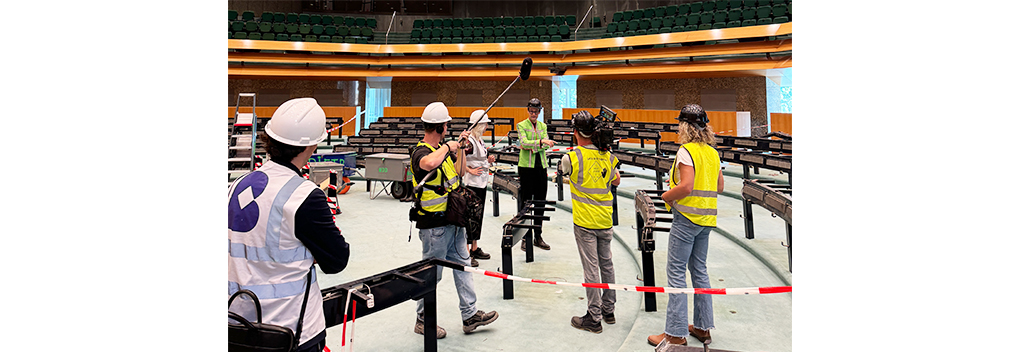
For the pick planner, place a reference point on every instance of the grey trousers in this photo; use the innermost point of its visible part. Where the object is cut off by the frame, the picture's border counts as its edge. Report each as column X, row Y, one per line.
column 597, row 261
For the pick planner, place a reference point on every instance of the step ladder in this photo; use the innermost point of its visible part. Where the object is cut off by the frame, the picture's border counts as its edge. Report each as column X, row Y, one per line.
column 242, row 140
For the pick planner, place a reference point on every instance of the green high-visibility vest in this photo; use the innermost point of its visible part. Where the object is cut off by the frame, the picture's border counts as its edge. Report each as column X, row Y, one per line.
column 531, row 145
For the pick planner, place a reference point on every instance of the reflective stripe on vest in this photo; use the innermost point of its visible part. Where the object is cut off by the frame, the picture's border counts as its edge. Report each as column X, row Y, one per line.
column 700, row 206
column 272, row 251
column 430, row 200
column 535, row 134
column 590, row 183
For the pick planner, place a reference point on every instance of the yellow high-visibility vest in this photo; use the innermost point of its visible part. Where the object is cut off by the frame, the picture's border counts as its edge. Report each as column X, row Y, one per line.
column 430, row 200
column 700, row 206
column 591, row 177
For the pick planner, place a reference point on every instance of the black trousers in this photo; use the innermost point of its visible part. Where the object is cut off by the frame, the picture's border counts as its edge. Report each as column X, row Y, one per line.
column 475, row 235
column 534, row 184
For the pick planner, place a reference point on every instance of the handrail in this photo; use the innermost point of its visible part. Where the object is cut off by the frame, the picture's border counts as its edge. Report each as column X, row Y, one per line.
column 582, row 20
column 649, row 39
column 390, row 27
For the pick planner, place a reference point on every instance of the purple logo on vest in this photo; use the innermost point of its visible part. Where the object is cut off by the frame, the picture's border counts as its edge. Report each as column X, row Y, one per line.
column 242, row 211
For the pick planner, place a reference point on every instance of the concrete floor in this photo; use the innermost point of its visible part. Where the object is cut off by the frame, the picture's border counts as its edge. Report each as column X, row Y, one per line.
column 539, row 314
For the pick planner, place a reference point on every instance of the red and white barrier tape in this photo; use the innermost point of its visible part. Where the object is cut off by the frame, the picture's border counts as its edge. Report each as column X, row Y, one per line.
column 561, row 149
column 698, row 291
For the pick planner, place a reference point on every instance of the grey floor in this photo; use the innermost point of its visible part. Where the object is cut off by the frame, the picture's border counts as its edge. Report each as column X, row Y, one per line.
column 539, row 315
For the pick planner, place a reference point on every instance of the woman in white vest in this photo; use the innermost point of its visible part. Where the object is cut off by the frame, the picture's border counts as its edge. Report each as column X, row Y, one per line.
column 279, row 225
column 694, row 183
column 477, row 176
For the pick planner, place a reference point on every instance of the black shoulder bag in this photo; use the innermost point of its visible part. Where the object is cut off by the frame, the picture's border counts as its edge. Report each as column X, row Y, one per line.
column 261, row 337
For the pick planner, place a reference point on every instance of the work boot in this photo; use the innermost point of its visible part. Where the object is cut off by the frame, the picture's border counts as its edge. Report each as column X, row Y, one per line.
column 587, row 323
column 419, row 328
column 479, row 319
column 478, row 254
column 701, row 335
column 540, row 243
column 656, row 340
column 474, row 263
column 609, row 318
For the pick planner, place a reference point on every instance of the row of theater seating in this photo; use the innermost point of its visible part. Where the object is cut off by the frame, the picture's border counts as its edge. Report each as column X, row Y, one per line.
column 697, row 7
column 304, row 18
column 551, row 33
column 256, row 31
column 740, row 17
column 495, row 21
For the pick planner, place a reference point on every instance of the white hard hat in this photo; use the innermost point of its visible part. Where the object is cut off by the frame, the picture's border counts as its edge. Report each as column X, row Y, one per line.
column 479, row 114
column 298, row 122
column 436, row 113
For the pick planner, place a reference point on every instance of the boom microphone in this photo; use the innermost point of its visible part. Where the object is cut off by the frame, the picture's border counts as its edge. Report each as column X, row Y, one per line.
column 526, row 69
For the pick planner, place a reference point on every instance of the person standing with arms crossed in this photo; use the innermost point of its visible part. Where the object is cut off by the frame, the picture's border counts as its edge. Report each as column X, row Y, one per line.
column 591, row 172
column 439, row 238
column 477, row 176
column 695, row 181
column 532, row 164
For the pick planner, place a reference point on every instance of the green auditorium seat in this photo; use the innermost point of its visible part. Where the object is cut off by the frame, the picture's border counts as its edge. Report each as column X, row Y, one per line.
column 530, row 30
column 628, row 15
column 295, row 37
column 596, row 22
column 532, row 38
column 677, row 29
column 367, row 31
column 779, row 10
column 732, row 24
column 529, row 20
column 736, row 4
column 350, row 40
column 371, row 23
column 489, row 40
column 265, row 27
column 499, row 32
column 722, row 5
column 763, row 21
column 279, row 17
column 633, row 25
column 279, row 28
column 487, row 22
column 456, row 40
column 231, row 15
column 748, row 13
column 655, row 23
column 719, row 25
column 267, row 16
column 303, row 18
column 668, row 21
column 735, row 15
column 500, row 39
column 611, row 28
column 561, row 19
column 251, row 26
column 456, row 32
column 780, row 19
column 629, row 33
column 360, row 22
column 708, row 6
column 437, row 32
column 707, row 17
column 543, row 38
column 478, row 31
column 327, row 20
column 476, row 22
column 413, row 41
column 477, row 40
column 240, row 35
column 680, row 21
column 763, row 12
column 555, row 38
column 518, row 21
column 282, row 37
column 339, row 39
column 248, row 16
column 522, row 39
column 508, row 21
column 541, row 30
column 645, row 24
column 683, row 9
column 720, row 16
column 417, row 23
column 750, row 3
column 446, row 32
column 653, row 31
column 564, row 31
column 704, row 26
column 350, row 21
column 311, row 38
column 648, row 13
column 317, row 29
column 618, row 16
column 747, row 23
column 641, row 32
column 571, row 20
column 236, row 26
column 362, row 40
column 305, row 29
column 637, row 14
column 694, row 18
column 314, row 19
column 330, row 30
column 697, row 6
column 660, row 11
column 268, row 36
column 690, row 28
column 355, row 31
column 445, row 41
column 539, row 20
column 672, row 10
column 520, row 30
column 456, row 22
column 488, row 32
column 343, row 31
column 416, row 33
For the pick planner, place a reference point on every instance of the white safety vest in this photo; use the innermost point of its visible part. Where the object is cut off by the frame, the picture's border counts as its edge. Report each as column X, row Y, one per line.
column 265, row 255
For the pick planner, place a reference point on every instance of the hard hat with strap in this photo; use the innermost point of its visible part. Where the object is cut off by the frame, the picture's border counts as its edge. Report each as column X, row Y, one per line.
column 436, row 113
column 590, row 192
column 700, row 206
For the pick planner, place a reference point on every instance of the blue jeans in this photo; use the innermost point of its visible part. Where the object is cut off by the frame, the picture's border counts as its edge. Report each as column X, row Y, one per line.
column 449, row 243
column 688, row 244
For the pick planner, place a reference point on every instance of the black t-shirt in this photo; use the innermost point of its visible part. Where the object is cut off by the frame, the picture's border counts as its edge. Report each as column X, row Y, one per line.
column 429, row 220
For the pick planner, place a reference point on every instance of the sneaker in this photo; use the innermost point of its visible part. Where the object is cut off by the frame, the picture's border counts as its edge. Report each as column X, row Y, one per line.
column 609, row 318
column 478, row 254
column 587, row 323
column 479, row 319
column 474, row 263
column 663, row 340
column 702, row 335
column 419, row 328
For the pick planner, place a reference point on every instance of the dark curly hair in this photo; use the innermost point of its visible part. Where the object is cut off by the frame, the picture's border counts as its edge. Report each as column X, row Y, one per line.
column 279, row 151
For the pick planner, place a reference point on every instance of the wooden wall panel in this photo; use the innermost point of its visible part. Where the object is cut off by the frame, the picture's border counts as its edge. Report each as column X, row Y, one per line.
column 782, row 122
column 341, row 112
column 518, row 114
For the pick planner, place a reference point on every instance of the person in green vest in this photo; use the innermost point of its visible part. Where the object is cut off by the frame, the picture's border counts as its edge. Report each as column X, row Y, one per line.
column 695, row 181
column 532, row 164
column 590, row 173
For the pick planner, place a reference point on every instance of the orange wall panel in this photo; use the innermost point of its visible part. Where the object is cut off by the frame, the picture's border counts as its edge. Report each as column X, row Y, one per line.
column 782, row 123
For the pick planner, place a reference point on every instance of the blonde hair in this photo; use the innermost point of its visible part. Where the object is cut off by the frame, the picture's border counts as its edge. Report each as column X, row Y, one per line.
column 480, row 130
column 689, row 133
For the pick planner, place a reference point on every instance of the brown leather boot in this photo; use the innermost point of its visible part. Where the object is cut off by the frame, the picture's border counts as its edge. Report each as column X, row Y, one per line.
column 702, row 335
column 655, row 340
column 540, row 243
